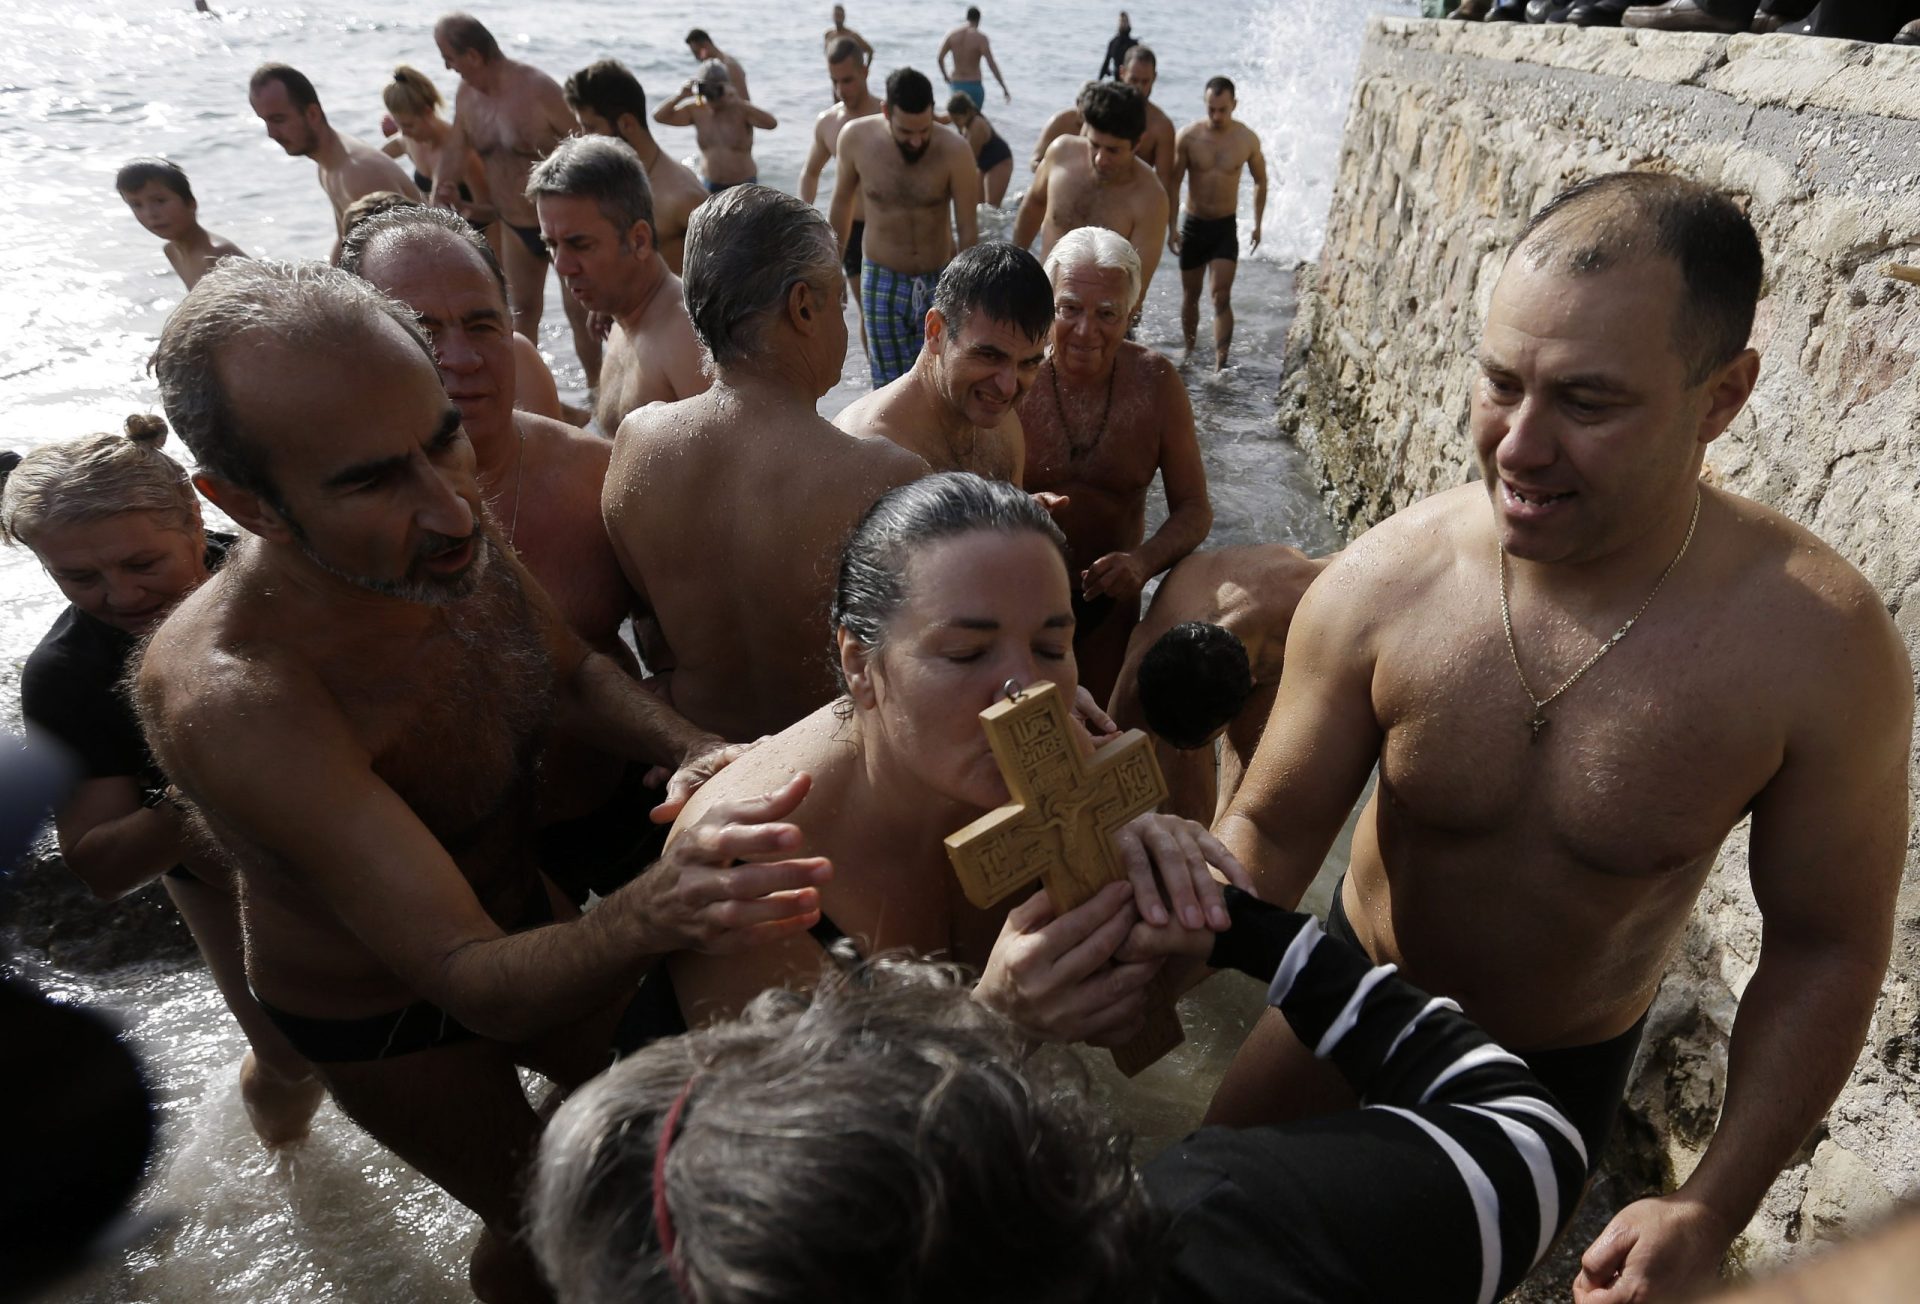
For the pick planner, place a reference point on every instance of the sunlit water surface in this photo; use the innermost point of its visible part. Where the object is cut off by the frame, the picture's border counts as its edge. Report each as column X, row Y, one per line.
column 83, row 292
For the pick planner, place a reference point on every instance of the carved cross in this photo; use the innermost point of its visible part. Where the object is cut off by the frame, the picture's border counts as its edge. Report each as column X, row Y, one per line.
column 1059, row 828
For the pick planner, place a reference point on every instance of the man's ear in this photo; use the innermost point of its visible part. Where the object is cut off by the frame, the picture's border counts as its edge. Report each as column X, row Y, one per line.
column 1728, row 390
column 640, row 235
column 856, row 665
column 936, row 326
column 249, row 510
column 803, row 307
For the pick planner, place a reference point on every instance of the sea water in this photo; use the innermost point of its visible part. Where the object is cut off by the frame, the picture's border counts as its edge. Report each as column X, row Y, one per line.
column 84, row 290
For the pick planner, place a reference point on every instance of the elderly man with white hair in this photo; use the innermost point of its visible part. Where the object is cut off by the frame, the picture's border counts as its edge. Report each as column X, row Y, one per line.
column 1102, row 417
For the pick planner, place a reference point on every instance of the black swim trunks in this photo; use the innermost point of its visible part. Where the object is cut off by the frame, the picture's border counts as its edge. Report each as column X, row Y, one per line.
column 530, row 237
column 1588, row 1081
column 850, row 260
column 405, row 1031
column 1204, row 239
column 994, row 153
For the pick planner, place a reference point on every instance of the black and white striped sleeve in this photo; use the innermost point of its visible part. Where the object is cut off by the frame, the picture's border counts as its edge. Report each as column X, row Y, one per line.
column 1448, row 1184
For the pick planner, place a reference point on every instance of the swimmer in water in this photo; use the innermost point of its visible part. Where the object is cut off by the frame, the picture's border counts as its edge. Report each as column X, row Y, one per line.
column 723, row 122
column 990, row 153
column 841, row 32
column 853, row 99
column 968, row 45
column 162, row 201
column 1210, row 155
column 286, row 102
column 416, row 131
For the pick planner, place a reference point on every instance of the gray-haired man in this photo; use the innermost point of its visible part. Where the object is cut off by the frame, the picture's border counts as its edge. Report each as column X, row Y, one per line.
column 596, row 215
column 353, row 706
column 728, row 510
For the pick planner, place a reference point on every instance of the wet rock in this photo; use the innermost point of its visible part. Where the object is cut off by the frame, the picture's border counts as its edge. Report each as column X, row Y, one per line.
column 45, row 910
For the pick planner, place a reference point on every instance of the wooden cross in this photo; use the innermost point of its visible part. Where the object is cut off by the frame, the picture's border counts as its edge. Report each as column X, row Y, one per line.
column 1059, row 828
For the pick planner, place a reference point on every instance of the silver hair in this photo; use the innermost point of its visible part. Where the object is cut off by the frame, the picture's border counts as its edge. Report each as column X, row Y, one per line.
column 599, row 168
column 1098, row 247
column 94, row 477
column 243, row 299
column 746, row 248
column 885, row 1138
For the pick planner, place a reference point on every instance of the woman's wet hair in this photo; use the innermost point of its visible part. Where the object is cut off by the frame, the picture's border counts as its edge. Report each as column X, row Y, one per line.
column 871, row 586
column 919, row 1147
column 410, row 92
column 746, row 248
column 961, row 105
column 1192, row 682
column 135, row 173
column 94, row 477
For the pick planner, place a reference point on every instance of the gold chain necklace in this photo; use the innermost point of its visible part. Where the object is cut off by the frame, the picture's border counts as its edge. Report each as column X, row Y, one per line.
column 519, row 474
column 1539, row 720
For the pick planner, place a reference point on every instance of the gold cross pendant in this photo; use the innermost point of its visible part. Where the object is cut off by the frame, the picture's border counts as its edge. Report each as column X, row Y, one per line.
column 1538, row 723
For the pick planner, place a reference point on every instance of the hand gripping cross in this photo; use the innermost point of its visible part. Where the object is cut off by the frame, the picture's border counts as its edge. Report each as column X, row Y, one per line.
column 1059, row 828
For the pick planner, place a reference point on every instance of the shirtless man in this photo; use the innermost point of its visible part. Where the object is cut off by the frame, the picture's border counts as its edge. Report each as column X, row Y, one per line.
column 1094, row 179
column 1210, row 154
column 852, row 99
column 608, row 101
column 352, row 708
column 597, row 216
column 917, row 185
column 541, row 479
column 1550, row 800
column 841, row 32
column 701, row 46
column 1204, row 664
column 743, row 617
column 969, row 45
column 512, row 115
column 985, row 336
column 285, row 100
column 723, row 120
column 1140, row 69
column 1103, row 418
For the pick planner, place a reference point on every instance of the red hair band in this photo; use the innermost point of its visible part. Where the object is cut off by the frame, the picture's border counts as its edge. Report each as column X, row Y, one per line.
column 662, row 1217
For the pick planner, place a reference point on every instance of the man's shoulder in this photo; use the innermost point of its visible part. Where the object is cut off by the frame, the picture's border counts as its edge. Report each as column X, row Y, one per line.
column 1420, row 543
column 560, row 440
column 1783, row 558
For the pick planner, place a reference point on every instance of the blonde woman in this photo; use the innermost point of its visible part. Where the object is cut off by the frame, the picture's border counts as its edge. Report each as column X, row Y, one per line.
column 116, row 524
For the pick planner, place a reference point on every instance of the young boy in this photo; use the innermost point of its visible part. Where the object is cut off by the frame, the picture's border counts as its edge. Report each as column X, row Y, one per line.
column 162, row 199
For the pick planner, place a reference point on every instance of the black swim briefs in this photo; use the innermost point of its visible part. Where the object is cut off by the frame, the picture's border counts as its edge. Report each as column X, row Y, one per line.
column 1204, row 239
column 405, row 1031
column 530, row 237
column 994, row 153
column 1588, row 1081
column 850, row 260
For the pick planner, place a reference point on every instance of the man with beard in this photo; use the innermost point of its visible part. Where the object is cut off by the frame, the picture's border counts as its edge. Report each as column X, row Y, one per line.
column 353, row 708
column 285, row 100
column 608, row 101
column 541, row 482
column 1095, row 179
column 985, row 336
column 1106, row 416
column 764, row 291
column 512, row 115
column 916, row 184
column 1139, row 69
column 596, row 214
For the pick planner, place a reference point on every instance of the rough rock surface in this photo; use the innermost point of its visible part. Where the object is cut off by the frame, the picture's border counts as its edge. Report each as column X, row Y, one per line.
column 1456, row 133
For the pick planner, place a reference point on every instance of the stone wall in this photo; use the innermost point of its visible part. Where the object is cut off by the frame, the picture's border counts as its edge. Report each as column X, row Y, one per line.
column 1457, row 132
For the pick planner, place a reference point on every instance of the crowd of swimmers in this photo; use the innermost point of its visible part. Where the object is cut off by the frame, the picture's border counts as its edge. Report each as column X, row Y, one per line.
column 488, row 743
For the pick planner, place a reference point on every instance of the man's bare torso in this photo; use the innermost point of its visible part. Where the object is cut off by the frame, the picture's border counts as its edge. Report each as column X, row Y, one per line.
column 899, row 413
column 968, row 45
column 1573, row 860
column 827, row 129
column 909, row 206
column 451, row 721
column 725, row 138
column 658, row 361
column 1215, row 160
column 365, row 172
column 676, row 193
column 552, row 520
column 731, row 514
column 1076, row 198
column 511, row 131
column 1104, row 457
